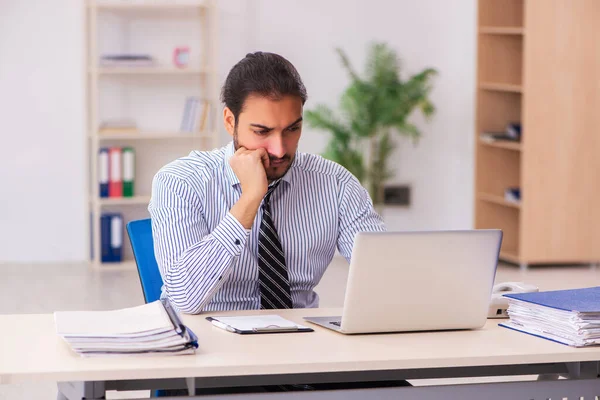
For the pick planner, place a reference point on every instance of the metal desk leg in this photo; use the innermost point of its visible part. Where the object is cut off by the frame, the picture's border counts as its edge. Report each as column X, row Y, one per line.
column 583, row 370
column 523, row 267
column 81, row 391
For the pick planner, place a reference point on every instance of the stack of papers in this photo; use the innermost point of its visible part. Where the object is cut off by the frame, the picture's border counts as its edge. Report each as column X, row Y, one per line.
column 154, row 328
column 570, row 317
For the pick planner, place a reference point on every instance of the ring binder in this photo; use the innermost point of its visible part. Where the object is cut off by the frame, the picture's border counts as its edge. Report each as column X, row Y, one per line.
column 177, row 323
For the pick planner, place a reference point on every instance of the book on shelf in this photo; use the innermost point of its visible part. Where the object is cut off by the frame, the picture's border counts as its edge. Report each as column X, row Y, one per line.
column 196, row 115
column 122, row 126
column 512, row 195
column 511, row 133
column 126, row 60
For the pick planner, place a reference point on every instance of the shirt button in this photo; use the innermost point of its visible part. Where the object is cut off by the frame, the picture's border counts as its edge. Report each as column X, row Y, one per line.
column 237, row 241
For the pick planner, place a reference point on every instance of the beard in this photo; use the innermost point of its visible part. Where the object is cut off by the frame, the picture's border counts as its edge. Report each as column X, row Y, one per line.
column 273, row 173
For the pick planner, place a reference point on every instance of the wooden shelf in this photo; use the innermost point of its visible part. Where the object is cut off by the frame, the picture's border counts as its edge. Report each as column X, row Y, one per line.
column 154, row 136
column 501, row 13
column 146, row 5
column 148, row 71
column 516, row 58
column 491, row 198
column 501, row 87
column 121, row 201
column 510, row 256
column 515, row 146
column 502, row 30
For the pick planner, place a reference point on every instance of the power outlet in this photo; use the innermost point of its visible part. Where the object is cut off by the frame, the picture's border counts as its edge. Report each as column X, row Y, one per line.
column 398, row 195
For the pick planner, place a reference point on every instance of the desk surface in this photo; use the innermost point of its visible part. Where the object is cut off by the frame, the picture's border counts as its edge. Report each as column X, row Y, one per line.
column 30, row 350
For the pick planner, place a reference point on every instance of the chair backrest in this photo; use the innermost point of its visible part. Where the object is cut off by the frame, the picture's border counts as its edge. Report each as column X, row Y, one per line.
column 140, row 236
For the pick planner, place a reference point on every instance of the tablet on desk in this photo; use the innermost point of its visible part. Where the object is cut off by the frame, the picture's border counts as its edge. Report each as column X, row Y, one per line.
column 253, row 324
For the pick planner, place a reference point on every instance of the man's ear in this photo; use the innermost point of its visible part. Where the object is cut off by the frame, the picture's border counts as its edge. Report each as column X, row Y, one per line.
column 229, row 120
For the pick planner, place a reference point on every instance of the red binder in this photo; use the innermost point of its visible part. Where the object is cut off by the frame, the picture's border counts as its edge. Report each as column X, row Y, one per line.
column 115, row 182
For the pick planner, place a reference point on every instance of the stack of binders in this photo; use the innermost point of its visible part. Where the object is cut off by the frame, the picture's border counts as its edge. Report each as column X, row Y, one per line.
column 570, row 317
column 154, row 328
column 116, row 171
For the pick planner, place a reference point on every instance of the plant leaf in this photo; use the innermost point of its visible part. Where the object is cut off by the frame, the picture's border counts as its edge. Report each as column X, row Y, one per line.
column 369, row 107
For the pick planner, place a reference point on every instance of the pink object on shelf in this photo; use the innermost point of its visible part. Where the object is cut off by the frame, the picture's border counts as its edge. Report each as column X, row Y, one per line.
column 181, row 56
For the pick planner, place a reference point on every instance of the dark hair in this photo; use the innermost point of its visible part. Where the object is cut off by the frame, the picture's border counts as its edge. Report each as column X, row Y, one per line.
column 266, row 74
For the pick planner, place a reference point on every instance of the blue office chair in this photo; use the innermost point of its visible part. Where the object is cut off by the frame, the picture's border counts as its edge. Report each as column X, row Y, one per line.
column 142, row 244
column 140, row 236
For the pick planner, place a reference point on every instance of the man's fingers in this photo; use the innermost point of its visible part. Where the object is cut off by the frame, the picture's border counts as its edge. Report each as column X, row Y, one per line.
column 260, row 153
column 264, row 156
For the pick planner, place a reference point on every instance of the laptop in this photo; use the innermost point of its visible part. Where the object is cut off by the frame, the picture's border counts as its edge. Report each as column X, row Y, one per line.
column 418, row 281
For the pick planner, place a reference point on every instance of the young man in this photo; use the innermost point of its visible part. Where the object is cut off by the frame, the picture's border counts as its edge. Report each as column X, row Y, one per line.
column 256, row 223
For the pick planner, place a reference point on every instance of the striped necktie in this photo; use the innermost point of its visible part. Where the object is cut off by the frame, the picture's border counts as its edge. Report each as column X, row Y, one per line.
column 272, row 272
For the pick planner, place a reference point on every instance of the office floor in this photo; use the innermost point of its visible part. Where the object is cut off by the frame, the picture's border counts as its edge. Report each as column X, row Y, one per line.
column 46, row 288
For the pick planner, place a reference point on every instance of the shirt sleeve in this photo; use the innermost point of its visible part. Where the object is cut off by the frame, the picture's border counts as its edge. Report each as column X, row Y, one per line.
column 193, row 262
column 356, row 214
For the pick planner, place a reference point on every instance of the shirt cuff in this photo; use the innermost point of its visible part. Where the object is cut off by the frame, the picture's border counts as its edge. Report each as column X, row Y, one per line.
column 231, row 234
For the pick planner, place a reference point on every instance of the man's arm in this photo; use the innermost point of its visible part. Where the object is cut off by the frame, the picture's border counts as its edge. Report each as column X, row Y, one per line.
column 193, row 262
column 356, row 214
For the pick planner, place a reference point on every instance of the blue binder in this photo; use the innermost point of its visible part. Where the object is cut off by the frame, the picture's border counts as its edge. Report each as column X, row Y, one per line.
column 103, row 171
column 581, row 305
column 586, row 300
column 111, row 237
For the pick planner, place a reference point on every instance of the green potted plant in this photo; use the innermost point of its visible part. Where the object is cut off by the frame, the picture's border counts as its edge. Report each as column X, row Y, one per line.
column 373, row 108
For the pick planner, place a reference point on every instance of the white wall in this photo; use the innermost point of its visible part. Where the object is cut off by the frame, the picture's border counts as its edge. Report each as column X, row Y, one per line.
column 42, row 122
column 426, row 33
column 41, row 131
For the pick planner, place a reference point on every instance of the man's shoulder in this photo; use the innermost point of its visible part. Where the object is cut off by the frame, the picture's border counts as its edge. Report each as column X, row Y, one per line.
column 196, row 165
column 318, row 165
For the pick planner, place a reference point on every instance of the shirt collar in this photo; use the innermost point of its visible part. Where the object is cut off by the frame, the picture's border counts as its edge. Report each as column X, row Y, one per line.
column 232, row 177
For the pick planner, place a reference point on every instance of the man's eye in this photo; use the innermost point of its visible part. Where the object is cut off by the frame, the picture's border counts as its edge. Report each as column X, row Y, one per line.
column 263, row 132
column 294, row 129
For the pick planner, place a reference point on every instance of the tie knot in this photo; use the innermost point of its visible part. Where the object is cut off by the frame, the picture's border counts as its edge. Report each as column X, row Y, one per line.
column 270, row 191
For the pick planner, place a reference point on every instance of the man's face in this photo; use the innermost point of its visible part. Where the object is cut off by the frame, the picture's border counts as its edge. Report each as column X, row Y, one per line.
column 274, row 125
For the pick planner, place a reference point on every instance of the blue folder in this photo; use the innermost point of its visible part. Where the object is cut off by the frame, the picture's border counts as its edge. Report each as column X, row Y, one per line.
column 586, row 300
column 103, row 172
column 583, row 302
column 111, row 237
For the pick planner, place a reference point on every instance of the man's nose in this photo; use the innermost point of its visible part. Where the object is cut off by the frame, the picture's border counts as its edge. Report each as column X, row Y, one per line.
column 276, row 147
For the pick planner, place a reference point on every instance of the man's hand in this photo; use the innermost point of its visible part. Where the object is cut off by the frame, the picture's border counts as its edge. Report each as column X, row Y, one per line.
column 249, row 166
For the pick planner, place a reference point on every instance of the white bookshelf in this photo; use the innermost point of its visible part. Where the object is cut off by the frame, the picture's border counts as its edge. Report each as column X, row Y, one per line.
column 149, row 135
column 150, row 71
column 122, row 201
column 152, row 96
column 148, row 5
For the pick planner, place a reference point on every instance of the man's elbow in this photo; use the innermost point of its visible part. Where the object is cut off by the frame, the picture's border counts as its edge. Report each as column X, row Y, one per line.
column 185, row 297
column 185, row 304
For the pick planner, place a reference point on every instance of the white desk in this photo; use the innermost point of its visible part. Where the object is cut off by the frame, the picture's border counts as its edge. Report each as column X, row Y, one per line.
column 31, row 351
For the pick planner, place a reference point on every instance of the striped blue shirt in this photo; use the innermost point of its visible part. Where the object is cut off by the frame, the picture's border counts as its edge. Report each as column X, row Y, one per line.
column 208, row 260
